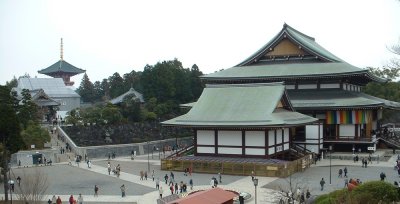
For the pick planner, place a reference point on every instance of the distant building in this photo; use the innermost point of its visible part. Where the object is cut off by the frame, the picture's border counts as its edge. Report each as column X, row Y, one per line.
column 62, row 69
column 50, row 91
column 131, row 93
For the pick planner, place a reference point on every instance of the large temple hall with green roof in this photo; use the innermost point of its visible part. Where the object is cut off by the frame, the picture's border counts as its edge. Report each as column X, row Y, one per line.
column 319, row 84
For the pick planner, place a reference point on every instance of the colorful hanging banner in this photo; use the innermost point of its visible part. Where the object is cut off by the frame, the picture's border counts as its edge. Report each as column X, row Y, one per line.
column 349, row 117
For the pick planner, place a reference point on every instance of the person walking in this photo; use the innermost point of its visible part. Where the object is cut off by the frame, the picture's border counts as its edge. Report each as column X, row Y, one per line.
column 220, row 177
column 383, row 176
column 191, row 183
column 340, row 173
column 308, row 194
column 322, row 183
column 123, row 190
column 71, row 199
column 96, row 191
column 157, row 183
column 160, row 191
column 58, row 201
column 54, row 200
column 152, row 175
column 166, row 178
column 176, row 188
column 80, row 199
column 346, row 182
column 109, row 168
column 345, row 171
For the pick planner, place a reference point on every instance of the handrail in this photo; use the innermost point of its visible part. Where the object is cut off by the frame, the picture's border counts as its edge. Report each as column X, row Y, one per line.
column 180, row 152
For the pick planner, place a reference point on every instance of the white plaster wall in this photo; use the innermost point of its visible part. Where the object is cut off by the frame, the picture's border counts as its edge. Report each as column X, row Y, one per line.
column 205, row 137
column 286, row 135
column 271, row 150
column 229, row 150
column 271, row 137
column 230, row 138
column 311, row 132
column 347, row 130
column 329, row 86
column 313, row 148
column 285, row 146
column 206, row 150
column 278, row 136
column 253, row 151
column 255, row 138
column 307, row 86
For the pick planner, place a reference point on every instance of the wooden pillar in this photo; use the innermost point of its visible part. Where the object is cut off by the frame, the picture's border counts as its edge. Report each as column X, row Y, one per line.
column 216, row 141
column 243, row 143
column 266, row 143
column 195, row 142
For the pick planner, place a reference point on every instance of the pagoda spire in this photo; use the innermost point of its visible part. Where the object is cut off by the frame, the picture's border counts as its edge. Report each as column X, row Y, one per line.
column 61, row 50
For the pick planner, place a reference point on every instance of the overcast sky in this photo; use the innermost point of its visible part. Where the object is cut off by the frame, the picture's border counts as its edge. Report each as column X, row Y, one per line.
column 104, row 37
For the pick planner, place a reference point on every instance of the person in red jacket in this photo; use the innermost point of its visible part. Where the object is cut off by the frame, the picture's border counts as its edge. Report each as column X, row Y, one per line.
column 58, row 200
column 71, row 199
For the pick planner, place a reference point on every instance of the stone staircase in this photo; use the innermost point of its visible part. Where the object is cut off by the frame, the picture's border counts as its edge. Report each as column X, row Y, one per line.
column 64, row 157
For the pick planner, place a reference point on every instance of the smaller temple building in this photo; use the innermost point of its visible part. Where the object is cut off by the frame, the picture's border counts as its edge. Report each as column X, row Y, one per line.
column 50, row 92
column 132, row 94
column 242, row 120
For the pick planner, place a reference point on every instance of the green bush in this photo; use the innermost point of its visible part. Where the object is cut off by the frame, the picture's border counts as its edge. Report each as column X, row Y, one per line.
column 368, row 192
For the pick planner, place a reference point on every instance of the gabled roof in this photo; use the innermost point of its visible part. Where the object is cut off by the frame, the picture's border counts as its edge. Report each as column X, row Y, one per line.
column 337, row 99
column 306, row 42
column 42, row 99
column 53, row 87
column 61, row 66
column 241, row 105
column 131, row 92
column 313, row 61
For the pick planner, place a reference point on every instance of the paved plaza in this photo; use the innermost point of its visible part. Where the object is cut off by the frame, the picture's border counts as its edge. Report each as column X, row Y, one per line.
column 65, row 180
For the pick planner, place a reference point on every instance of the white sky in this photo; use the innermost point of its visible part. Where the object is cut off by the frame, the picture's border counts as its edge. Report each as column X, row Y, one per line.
column 104, row 37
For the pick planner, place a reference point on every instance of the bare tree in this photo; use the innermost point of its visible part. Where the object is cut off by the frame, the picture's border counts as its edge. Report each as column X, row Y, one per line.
column 33, row 186
column 288, row 190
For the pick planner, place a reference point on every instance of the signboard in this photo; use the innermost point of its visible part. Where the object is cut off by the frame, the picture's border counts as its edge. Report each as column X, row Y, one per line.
column 272, row 168
column 371, row 148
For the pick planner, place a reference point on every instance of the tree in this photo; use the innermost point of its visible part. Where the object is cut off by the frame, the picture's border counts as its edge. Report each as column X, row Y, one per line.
column 12, row 83
column 130, row 108
column 34, row 134
column 111, row 114
column 27, row 110
column 196, row 84
column 86, row 89
column 116, row 85
column 10, row 137
column 33, row 186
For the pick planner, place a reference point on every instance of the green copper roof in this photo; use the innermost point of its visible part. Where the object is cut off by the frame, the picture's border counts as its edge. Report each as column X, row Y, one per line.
column 286, row 70
column 240, row 105
column 322, row 62
column 333, row 99
column 61, row 66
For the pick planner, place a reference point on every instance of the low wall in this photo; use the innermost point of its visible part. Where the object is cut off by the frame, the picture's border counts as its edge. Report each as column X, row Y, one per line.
column 123, row 149
column 26, row 156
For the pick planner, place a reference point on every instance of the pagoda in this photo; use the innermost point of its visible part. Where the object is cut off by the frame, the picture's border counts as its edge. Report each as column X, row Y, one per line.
column 62, row 69
column 319, row 84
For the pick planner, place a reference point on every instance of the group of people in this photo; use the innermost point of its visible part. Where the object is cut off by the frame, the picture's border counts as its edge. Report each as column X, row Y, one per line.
column 71, row 200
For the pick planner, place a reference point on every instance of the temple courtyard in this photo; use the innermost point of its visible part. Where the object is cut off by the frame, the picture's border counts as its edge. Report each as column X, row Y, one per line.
column 65, row 180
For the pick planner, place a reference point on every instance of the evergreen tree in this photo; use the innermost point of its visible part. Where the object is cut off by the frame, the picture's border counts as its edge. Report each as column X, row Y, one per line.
column 10, row 137
column 27, row 110
column 116, row 85
column 86, row 89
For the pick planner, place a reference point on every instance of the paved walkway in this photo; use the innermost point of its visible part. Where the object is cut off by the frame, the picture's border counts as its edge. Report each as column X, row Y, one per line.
column 244, row 184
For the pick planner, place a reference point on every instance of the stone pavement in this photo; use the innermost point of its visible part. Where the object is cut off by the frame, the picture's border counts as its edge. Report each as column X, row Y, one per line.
column 242, row 184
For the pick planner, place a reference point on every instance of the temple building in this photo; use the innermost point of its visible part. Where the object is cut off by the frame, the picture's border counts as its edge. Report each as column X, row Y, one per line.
column 319, row 84
column 132, row 94
column 62, row 69
column 49, row 92
column 242, row 120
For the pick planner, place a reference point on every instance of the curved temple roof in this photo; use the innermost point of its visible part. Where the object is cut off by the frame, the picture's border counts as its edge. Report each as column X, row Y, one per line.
column 240, row 105
column 61, row 66
column 318, row 62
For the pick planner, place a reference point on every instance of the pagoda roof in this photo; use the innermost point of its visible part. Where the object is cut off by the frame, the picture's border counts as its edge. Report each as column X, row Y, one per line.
column 131, row 92
column 241, row 105
column 337, row 99
column 291, row 54
column 61, row 66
